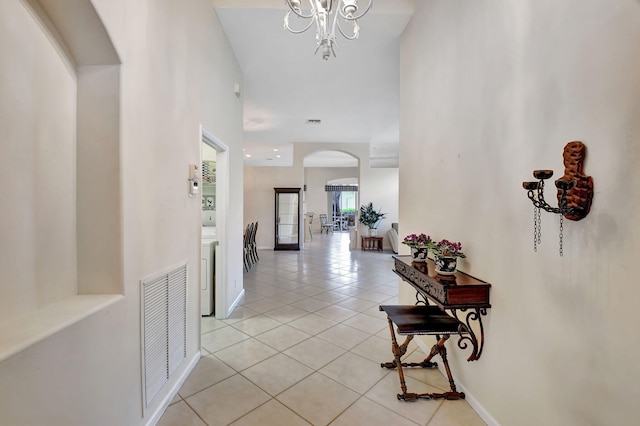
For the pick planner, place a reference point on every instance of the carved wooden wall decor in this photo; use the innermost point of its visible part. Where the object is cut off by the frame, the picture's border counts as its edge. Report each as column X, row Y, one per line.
column 580, row 196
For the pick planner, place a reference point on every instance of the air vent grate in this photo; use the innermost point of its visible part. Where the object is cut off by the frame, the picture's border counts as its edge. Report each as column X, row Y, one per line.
column 164, row 345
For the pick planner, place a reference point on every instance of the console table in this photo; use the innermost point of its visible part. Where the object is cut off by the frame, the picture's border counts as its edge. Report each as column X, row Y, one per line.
column 371, row 243
column 446, row 305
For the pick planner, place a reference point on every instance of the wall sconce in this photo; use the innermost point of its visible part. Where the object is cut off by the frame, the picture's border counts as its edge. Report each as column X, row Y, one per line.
column 574, row 191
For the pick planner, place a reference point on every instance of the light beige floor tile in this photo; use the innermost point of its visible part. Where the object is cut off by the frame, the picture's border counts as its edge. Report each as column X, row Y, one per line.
column 375, row 311
column 367, row 413
column 286, row 314
column 375, row 349
column 210, row 323
column 385, row 391
column 269, row 290
column 175, row 399
column 240, row 313
column 256, row 325
column 309, row 290
column 384, row 334
column 312, row 324
column 264, row 305
column 290, row 284
column 355, row 372
column 208, row 371
column 245, row 354
column 227, row 401
column 250, row 296
column 389, row 290
column 318, row 399
column 272, row 413
column 356, row 304
column 456, row 413
column 283, row 337
column 180, row 415
column 331, row 296
column 371, row 296
column 344, row 336
column 349, row 290
column 221, row 338
column 366, row 323
column 277, row 373
column 311, row 304
column 336, row 313
column 315, row 353
column 291, row 297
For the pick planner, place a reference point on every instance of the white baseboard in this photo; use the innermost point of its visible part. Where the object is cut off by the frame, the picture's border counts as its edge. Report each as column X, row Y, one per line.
column 235, row 303
column 473, row 402
column 154, row 418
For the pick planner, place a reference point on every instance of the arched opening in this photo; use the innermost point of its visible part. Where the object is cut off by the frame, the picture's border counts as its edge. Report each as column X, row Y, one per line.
column 331, row 180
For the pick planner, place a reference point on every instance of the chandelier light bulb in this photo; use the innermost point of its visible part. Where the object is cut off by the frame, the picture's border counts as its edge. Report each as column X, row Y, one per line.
column 326, row 52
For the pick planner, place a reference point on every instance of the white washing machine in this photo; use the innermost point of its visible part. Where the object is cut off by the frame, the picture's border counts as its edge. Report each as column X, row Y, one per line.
column 208, row 276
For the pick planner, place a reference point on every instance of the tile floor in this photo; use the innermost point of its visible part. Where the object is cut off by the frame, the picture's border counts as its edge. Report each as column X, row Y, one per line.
column 305, row 346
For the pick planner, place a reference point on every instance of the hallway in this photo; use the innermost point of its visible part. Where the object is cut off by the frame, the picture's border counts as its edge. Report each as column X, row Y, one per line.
column 305, row 347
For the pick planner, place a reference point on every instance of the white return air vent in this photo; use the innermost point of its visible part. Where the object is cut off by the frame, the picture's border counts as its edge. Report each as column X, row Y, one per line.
column 164, row 309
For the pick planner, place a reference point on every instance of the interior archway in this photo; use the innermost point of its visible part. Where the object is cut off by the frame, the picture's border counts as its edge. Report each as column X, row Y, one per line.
column 322, row 169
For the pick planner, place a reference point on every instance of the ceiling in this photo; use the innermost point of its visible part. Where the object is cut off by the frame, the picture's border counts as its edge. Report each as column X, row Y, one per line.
column 355, row 94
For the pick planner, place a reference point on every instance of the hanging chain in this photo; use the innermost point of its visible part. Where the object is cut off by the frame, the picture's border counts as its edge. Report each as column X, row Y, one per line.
column 537, row 228
column 561, row 233
column 539, row 225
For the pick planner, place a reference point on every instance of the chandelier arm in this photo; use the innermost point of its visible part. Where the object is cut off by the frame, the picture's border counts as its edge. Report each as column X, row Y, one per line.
column 356, row 31
column 287, row 27
column 354, row 18
column 300, row 14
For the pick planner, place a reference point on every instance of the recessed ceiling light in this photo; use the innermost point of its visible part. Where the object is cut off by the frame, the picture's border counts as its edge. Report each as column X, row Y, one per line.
column 275, row 149
column 278, row 156
column 248, row 155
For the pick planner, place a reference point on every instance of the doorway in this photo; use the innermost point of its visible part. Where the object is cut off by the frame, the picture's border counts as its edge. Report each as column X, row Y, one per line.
column 215, row 207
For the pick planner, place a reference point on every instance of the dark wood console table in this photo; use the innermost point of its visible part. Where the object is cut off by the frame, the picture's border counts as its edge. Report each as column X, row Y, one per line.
column 446, row 305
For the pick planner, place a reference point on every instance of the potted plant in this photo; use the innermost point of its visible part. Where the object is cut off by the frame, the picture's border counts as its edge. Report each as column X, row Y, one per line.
column 420, row 245
column 370, row 217
column 446, row 254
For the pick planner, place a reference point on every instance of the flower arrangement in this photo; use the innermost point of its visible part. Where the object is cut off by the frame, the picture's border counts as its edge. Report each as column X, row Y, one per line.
column 421, row 240
column 370, row 216
column 446, row 248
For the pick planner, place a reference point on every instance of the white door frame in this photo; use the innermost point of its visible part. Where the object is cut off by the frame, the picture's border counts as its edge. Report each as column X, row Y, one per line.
column 222, row 210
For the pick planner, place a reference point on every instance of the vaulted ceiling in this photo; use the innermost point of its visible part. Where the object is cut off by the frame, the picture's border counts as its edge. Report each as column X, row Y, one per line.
column 354, row 95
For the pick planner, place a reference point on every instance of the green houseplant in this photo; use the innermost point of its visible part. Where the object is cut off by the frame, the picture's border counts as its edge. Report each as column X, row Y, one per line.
column 370, row 217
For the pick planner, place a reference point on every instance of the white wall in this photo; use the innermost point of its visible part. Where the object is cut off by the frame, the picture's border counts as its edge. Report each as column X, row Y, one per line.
column 490, row 91
column 177, row 73
column 259, row 198
column 38, row 261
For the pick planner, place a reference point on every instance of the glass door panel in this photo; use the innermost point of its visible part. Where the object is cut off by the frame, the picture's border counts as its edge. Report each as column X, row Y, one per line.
column 287, row 218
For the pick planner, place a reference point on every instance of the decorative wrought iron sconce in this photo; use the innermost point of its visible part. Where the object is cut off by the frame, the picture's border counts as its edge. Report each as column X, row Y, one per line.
column 574, row 191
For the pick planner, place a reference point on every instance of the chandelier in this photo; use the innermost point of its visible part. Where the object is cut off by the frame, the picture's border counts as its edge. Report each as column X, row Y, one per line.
column 325, row 13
